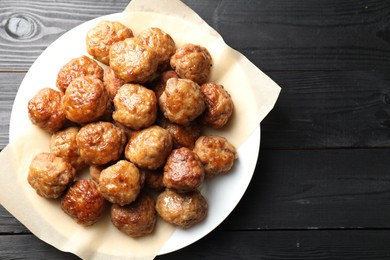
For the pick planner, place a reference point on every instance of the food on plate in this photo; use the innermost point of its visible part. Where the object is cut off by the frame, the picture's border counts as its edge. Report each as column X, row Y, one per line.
column 102, row 36
column 183, row 170
column 181, row 101
column 193, row 62
column 121, row 183
column 159, row 83
column 80, row 66
column 85, row 100
column 135, row 106
column 182, row 136
column 50, row 175
column 161, row 42
column 183, row 210
column 96, row 170
column 44, row 110
column 112, row 82
column 100, row 142
column 137, row 126
column 63, row 144
column 154, row 179
column 136, row 219
column 219, row 105
column 216, row 154
column 83, row 202
column 133, row 61
column 149, row 148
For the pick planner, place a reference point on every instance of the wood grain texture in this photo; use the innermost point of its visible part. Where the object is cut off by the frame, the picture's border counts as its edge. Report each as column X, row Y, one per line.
column 9, row 84
column 328, row 109
column 275, row 245
column 275, row 35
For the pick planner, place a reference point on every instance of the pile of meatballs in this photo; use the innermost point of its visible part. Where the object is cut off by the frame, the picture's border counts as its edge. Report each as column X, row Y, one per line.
column 135, row 121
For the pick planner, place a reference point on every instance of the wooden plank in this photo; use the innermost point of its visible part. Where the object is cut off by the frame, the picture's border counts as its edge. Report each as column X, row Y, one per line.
column 316, row 189
column 9, row 84
column 282, row 35
column 9, row 224
column 329, row 109
column 30, row 26
column 316, row 244
column 307, row 189
column 321, row 109
column 288, row 245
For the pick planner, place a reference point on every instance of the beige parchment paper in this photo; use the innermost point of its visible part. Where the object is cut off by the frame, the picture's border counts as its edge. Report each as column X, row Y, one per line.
column 254, row 95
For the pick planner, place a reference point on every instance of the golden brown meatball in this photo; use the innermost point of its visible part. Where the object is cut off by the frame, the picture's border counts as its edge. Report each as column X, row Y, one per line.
column 159, row 83
column 85, row 100
column 133, row 61
column 112, row 82
column 49, row 175
column 219, row 105
column 45, row 111
column 100, row 142
column 83, row 202
column 102, row 36
column 182, row 209
column 149, row 148
column 181, row 102
column 183, row 170
column 216, row 154
column 107, row 114
column 136, row 219
column 183, row 136
column 121, row 183
column 63, row 144
column 96, row 170
column 135, row 106
column 81, row 66
column 161, row 42
column 154, row 179
column 192, row 62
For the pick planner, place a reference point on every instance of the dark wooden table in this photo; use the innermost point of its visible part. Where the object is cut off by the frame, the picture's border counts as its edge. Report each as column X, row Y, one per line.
column 321, row 189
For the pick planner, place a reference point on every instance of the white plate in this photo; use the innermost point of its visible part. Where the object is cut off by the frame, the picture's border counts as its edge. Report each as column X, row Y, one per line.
column 222, row 193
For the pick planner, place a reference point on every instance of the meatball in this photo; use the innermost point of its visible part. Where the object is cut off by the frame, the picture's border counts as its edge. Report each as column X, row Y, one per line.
column 81, row 66
column 102, row 36
column 63, row 144
column 45, row 111
column 159, row 83
column 183, row 170
column 121, row 183
column 135, row 106
column 182, row 209
column 183, row 136
column 192, row 62
column 154, row 179
column 100, row 142
column 219, row 105
column 107, row 114
column 136, row 219
column 181, row 102
column 85, row 100
column 216, row 154
column 49, row 175
column 133, row 61
column 83, row 202
column 149, row 148
column 161, row 42
column 96, row 170
column 112, row 82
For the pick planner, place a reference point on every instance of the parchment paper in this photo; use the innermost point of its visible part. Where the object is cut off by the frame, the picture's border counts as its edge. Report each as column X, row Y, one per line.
column 253, row 93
